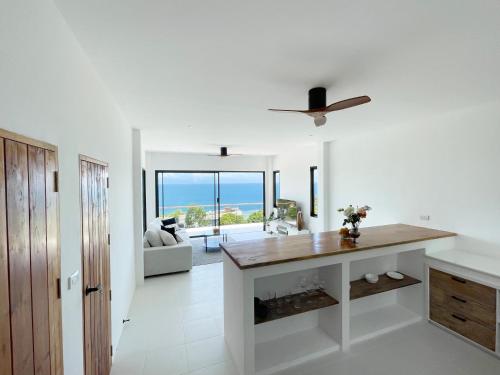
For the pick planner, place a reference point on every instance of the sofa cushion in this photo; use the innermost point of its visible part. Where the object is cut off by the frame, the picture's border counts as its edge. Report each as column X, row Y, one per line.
column 182, row 236
column 145, row 243
column 167, row 238
column 153, row 237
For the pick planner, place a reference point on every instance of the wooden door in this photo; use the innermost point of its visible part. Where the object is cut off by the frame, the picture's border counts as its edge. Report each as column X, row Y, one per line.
column 30, row 306
column 96, row 268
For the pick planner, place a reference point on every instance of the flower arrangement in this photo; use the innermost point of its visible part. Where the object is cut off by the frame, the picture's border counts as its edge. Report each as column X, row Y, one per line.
column 353, row 216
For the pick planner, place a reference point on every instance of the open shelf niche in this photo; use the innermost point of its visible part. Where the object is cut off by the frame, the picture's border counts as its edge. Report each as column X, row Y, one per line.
column 362, row 288
column 297, row 336
column 284, row 306
column 389, row 304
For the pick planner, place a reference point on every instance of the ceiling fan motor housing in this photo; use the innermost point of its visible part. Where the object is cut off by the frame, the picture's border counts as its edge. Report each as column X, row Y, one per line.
column 317, row 98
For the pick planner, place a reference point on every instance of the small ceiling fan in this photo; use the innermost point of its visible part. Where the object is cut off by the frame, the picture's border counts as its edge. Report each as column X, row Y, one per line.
column 224, row 154
column 318, row 108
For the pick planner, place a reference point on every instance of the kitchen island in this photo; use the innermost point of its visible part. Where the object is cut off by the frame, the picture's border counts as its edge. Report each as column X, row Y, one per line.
column 343, row 310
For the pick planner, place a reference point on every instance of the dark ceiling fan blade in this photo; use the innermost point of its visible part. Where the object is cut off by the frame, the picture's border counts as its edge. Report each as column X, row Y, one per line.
column 288, row 110
column 348, row 103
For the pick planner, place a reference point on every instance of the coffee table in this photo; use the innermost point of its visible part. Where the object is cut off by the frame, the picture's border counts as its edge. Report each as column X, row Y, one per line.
column 210, row 233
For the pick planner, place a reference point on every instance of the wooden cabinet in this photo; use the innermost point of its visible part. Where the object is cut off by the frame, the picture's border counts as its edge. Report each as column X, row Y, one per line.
column 464, row 306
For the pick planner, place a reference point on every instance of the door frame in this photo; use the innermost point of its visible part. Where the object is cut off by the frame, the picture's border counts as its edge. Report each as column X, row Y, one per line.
column 216, row 189
column 82, row 157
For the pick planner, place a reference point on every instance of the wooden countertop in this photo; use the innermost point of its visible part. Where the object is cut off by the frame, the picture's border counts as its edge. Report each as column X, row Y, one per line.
column 268, row 251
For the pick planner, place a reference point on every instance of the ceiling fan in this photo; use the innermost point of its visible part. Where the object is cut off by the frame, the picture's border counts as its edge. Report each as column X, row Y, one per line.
column 318, row 108
column 223, row 153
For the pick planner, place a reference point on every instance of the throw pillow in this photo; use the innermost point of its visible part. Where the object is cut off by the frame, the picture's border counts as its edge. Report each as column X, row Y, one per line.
column 167, row 238
column 153, row 238
column 169, row 221
column 145, row 243
column 171, row 230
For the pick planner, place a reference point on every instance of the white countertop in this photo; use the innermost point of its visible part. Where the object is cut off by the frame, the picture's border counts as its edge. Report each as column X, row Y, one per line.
column 485, row 262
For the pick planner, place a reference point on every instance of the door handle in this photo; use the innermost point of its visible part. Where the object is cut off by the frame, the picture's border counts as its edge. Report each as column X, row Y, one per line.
column 97, row 288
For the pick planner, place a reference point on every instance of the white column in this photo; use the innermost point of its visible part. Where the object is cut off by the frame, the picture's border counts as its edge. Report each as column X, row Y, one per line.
column 346, row 306
column 269, row 185
column 137, row 209
column 324, row 186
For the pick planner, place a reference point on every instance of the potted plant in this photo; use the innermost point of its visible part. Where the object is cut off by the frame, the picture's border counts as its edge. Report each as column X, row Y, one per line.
column 353, row 216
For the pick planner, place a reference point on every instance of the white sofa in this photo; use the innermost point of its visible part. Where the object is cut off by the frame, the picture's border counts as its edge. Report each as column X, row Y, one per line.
column 168, row 259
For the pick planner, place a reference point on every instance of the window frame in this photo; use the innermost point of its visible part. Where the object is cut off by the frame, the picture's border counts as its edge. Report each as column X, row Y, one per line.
column 277, row 172
column 312, row 171
column 159, row 173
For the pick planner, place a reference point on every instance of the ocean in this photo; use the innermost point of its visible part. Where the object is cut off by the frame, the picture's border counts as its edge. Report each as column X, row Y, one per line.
column 246, row 197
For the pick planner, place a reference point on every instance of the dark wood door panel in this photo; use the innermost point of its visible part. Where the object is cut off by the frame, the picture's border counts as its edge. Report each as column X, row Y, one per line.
column 85, row 207
column 53, row 262
column 30, row 306
column 39, row 262
column 16, row 170
column 5, row 353
column 95, row 258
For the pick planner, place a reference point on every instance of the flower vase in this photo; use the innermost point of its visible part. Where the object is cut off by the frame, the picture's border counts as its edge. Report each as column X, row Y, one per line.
column 354, row 233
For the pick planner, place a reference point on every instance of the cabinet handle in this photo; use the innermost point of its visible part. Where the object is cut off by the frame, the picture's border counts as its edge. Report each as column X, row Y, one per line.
column 459, row 318
column 459, row 299
column 459, row 279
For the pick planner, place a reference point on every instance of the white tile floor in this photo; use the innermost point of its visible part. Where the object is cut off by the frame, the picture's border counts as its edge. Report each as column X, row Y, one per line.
column 177, row 328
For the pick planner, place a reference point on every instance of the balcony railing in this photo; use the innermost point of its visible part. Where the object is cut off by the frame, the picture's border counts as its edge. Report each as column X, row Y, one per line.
column 201, row 215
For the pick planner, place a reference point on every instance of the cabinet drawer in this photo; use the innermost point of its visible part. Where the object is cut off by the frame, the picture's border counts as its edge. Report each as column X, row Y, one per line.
column 468, row 328
column 470, row 309
column 466, row 289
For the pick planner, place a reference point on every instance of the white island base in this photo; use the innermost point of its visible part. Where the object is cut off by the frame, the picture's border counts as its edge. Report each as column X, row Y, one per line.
column 279, row 344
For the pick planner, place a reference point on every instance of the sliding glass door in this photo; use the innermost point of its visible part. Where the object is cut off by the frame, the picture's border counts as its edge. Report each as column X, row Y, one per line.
column 191, row 197
column 208, row 199
column 241, row 197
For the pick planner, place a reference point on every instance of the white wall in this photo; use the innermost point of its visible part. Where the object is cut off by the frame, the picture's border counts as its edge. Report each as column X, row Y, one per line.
column 200, row 162
column 294, row 167
column 49, row 91
column 446, row 167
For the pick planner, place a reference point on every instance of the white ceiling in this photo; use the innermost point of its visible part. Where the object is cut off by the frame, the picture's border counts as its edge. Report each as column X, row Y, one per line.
column 194, row 75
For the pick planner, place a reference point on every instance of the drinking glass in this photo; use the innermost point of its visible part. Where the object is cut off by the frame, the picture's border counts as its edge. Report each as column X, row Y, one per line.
column 322, row 286
column 271, row 300
column 303, row 284
column 280, row 306
column 288, row 297
column 315, row 284
column 297, row 302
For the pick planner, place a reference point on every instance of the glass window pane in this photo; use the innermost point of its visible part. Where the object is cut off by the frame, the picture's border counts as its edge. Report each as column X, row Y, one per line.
column 314, row 191
column 276, row 187
column 241, row 198
column 187, row 196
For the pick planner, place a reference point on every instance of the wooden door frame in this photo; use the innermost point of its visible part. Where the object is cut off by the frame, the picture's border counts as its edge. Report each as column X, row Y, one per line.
column 85, row 158
column 54, row 266
column 27, row 140
column 82, row 157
